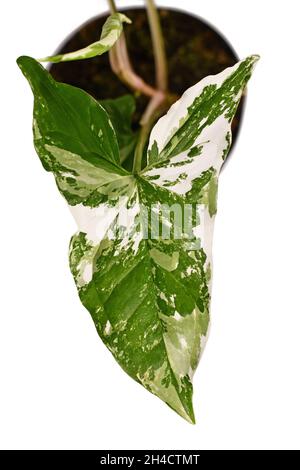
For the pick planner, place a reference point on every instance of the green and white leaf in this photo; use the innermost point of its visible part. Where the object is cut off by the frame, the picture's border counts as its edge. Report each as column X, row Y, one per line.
column 111, row 32
column 196, row 132
column 74, row 138
column 148, row 295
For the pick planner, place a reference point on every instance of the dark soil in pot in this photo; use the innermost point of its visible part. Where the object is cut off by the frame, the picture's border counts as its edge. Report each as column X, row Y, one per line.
column 194, row 50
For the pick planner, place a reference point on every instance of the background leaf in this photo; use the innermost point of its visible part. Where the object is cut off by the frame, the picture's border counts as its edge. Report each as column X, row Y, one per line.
column 120, row 111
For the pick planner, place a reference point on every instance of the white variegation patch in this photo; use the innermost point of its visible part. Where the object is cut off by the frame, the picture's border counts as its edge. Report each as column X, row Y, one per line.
column 213, row 143
column 204, row 230
column 87, row 175
column 178, row 113
column 182, row 339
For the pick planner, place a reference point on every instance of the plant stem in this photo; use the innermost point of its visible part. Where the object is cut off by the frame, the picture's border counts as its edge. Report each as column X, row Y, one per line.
column 139, row 149
column 152, row 112
column 112, row 6
column 158, row 46
column 155, row 106
column 121, row 65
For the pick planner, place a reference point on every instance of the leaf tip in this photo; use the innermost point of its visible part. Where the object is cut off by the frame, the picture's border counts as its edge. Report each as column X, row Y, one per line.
column 25, row 64
column 184, row 406
column 254, row 58
column 187, row 413
column 125, row 19
column 21, row 61
column 191, row 417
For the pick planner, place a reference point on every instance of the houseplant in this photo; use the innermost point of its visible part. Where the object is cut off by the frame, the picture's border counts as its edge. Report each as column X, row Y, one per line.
column 141, row 258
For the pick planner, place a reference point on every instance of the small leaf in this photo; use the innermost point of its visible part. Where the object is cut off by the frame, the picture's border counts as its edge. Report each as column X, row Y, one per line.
column 120, row 111
column 111, row 32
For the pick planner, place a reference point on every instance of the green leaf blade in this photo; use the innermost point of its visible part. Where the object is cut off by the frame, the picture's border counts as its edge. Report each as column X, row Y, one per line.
column 150, row 317
column 129, row 321
column 73, row 136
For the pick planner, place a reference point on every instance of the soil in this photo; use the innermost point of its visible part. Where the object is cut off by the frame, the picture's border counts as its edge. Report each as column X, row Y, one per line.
column 194, row 50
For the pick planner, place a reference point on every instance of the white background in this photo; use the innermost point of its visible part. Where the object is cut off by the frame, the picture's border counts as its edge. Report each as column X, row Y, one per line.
column 60, row 388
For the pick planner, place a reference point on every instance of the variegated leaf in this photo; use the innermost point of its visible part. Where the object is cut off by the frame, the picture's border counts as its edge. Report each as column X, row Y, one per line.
column 142, row 256
column 111, row 32
column 74, row 138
